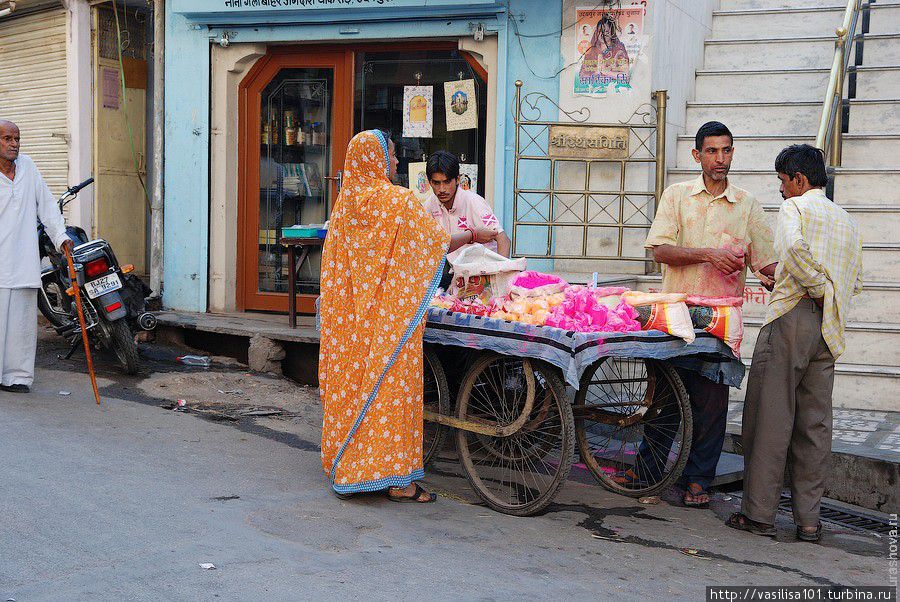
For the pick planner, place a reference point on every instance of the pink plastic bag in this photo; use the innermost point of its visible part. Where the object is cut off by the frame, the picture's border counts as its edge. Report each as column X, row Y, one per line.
column 536, row 284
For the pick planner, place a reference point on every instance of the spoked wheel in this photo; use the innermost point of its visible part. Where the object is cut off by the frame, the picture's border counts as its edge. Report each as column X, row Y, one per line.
column 633, row 425
column 518, row 472
column 437, row 400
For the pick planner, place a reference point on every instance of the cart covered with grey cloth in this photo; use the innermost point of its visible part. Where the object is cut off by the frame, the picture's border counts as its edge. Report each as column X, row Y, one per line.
column 528, row 394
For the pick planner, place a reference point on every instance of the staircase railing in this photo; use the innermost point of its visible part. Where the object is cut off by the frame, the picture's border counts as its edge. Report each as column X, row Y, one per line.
column 831, row 126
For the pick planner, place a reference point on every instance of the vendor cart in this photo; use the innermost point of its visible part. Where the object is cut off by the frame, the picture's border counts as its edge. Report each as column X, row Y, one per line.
column 528, row 395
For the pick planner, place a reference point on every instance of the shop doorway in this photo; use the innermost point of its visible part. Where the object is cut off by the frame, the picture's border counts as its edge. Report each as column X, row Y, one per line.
column 299, row 106
column 120, row 109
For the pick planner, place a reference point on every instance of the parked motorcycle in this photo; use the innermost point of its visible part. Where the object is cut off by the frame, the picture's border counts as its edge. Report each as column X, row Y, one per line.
column 114, row 299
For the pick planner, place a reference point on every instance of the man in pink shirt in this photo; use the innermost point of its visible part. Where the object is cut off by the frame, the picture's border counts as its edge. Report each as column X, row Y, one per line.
column 461, row 211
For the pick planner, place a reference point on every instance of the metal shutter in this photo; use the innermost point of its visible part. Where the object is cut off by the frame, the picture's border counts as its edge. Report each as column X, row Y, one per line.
column 33, row 90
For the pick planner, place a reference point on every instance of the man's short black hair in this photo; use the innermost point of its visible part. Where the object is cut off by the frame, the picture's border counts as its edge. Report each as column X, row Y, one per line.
column 805, row 159
column 711, row 128
column 442, row 162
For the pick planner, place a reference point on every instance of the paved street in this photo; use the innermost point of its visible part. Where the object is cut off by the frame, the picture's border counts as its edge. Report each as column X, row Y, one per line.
column 125, row 501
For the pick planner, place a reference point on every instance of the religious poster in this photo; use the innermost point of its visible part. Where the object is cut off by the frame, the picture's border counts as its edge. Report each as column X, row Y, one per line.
column 609, row 42
column 418, row 111
column 462, row 109
column 468, row 176
column 110, row 87
column 418, row 181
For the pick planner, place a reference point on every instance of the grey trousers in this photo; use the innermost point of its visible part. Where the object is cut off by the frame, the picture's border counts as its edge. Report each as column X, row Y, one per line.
column 18, row 335
column 787, row 416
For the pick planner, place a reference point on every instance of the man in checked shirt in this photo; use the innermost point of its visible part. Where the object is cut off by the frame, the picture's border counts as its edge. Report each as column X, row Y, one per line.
column 787, row 411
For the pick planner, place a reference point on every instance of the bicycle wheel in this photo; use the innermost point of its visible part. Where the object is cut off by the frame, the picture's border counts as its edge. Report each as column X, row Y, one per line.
column 633, row 425
column 437, row 400
column 521, row 473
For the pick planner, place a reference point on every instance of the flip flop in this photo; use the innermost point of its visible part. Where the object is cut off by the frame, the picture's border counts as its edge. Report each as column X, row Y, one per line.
column 627, row 478
column 691, row 504
column 415, row 498
column 342, row 496
column 814, row 537
column 739, row 521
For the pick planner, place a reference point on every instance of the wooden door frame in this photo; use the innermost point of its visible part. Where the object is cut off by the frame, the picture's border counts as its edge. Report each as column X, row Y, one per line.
column 250, row 132
column 342, row 58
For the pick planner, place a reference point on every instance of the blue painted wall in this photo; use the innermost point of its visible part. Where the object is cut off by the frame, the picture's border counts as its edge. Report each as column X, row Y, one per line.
column 187, row 165
column 534, row 60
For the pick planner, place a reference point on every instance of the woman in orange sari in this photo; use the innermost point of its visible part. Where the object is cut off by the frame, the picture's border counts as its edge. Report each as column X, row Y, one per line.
column 381, row 266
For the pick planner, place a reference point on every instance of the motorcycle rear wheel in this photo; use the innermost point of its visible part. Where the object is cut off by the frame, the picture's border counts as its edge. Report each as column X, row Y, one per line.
column 122, row 344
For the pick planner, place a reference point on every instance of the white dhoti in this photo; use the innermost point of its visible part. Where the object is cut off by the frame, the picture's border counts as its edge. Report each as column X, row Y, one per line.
column 18, row 335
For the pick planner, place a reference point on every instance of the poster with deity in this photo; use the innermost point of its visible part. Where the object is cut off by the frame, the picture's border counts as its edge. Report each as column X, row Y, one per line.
column 461, row 107
column 418, row 111
column 609, row 42
column 468, row 176
column 418, row 181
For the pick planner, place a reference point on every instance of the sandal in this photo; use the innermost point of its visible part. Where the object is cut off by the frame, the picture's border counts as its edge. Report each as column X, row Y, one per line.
column 739, row 521
column 415, row 498
column 342, row 496
column 690, row 493
column 628, row 478
column 810, row 536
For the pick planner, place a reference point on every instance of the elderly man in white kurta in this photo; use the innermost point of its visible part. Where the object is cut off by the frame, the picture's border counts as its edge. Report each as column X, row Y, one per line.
column 23, row 198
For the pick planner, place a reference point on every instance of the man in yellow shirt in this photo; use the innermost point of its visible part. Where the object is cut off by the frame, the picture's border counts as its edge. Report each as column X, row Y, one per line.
column 788, row 406
column 706, row 233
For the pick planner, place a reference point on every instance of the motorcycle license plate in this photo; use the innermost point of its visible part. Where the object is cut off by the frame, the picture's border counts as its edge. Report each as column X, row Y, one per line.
column 101, row 286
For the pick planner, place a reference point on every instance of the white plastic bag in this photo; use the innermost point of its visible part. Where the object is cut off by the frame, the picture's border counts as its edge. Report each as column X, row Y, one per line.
column 480, row 272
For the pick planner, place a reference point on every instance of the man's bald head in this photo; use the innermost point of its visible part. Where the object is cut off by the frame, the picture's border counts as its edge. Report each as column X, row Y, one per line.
column 9, row 140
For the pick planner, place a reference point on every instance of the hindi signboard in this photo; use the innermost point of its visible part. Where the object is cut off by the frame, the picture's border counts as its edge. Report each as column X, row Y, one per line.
column 588, row 142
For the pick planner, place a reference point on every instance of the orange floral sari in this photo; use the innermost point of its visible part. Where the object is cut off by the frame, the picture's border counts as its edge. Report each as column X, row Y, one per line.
column 381, row 265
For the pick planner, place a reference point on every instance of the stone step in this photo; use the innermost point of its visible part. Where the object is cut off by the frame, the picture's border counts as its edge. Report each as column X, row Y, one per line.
column 806, row 52
column 876, row 81
column 884, row 17
column 867, row 344
column 880, row 49
column 809, row 20
column 881, row 261
column 880, row 116
column 788, row 85
column 877, row 223
column 852, row 185
column 856, row 387
column 879, row 302
column 799, row 118
column 761, row 85
column 759, row 152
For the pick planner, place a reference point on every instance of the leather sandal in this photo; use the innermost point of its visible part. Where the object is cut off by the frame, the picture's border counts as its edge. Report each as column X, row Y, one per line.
column 810, row 536
column 415, row 498
column 739, row 521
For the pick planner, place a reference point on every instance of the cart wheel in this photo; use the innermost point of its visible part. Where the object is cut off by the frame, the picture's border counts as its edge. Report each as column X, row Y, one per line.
column 519, row 474
column 633, row 425
column 437, row 400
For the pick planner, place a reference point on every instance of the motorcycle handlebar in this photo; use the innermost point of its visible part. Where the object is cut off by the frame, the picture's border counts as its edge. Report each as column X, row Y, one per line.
column 77, row 187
